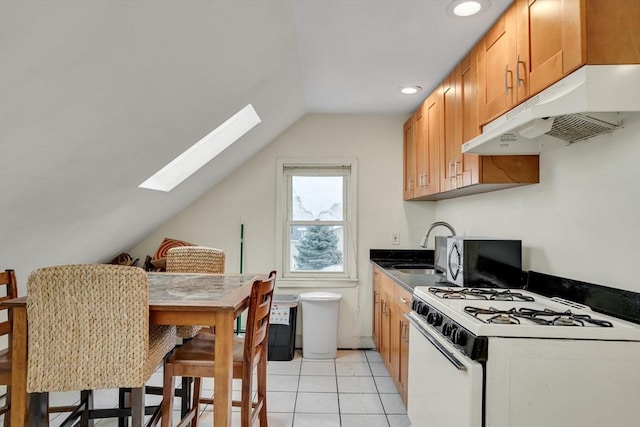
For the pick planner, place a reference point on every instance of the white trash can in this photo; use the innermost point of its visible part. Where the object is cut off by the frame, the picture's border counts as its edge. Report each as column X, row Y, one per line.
column 320, row 315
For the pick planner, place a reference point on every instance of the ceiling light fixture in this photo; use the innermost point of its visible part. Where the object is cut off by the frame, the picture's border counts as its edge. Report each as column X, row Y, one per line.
column 465, row 8
column 409, row 90
column 203, row 151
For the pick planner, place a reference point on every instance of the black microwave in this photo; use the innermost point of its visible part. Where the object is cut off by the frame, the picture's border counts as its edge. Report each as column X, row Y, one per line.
column 484, row 262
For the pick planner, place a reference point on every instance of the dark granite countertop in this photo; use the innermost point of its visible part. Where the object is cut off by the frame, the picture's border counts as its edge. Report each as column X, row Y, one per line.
column 386, row 259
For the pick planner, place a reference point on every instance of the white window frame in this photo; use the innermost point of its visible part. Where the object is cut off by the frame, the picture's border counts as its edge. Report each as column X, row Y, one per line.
column 316, row 167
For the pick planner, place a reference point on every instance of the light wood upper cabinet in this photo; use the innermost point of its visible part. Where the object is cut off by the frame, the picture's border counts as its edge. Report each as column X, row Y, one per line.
column 450, row 153
column 409, row 160
column 421, row 149
column 533, row 45
column 538, row 42
column 468, row 104
column 555, row 33
column 427, row 147
column 496, row 66
column 434, row 132
column 612, row 31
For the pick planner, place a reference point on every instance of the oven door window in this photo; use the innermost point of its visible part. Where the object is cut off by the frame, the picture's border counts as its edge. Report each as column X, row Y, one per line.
column 441, row 391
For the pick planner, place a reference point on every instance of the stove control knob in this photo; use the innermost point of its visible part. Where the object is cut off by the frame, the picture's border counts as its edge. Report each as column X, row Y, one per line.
column 438, row 319
column 434, row 318
column 423, row 310
column 459, row 337
column 447, row 329
column 415, row 304
column 431, row 318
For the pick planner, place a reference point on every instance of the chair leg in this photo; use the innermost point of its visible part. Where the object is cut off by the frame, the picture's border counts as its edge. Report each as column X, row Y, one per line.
column 246, row 399
column 197, row 390
column 123, row 403
column 7, row 399
column 137, row 406
column 86, row 399
column 167, row 396
column 262, row 389
column 185, row 395
column 38, row 409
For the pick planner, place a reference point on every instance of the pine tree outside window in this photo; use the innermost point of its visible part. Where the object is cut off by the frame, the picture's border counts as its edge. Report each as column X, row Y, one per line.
column 317, row 229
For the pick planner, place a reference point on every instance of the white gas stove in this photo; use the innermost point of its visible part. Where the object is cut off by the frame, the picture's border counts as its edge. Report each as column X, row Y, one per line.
column 513, row 358
column 519, row 313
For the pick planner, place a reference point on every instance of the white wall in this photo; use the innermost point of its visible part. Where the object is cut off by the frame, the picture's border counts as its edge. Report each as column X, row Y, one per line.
column 582, row 221
column 249, row 194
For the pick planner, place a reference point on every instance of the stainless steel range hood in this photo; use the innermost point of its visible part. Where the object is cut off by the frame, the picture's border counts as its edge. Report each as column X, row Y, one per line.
column 588, row 102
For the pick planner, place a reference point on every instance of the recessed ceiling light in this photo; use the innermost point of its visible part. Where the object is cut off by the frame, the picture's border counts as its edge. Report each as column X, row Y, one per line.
column 199, row 154
column 410, row 90
column 464, row 8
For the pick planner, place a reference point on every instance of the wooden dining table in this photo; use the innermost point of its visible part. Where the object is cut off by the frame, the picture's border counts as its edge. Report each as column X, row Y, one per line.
column 174, row 299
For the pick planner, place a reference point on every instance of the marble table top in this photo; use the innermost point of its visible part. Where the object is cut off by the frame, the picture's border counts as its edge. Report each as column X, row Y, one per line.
column 194, row 287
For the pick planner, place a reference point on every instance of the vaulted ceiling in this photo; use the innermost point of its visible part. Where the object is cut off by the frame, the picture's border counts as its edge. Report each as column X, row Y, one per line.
column 96, row 96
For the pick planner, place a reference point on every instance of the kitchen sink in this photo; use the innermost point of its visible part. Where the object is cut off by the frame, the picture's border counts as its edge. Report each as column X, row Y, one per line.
column 415, row 268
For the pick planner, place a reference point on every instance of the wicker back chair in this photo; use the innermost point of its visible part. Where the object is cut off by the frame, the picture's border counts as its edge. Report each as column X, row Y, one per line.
column 194, row 259
column 196, row 359
column 89, row 329
column 8, row 281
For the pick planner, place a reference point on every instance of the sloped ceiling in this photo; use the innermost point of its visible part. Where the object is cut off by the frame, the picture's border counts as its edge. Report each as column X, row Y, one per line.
column 96, row 96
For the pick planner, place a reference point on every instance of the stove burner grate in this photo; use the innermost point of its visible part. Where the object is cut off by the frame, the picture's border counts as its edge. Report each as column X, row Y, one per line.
column 504, row 319
column 480, row 294
column 544, row 317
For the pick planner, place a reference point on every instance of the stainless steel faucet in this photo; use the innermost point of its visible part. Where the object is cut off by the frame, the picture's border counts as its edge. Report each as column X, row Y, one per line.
column 434, row 225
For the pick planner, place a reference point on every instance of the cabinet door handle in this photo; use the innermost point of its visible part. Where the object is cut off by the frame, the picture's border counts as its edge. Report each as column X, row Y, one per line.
column 451, row 173
column 403, row 300
column 506, row 83
column 454, row 176
column 518, row 79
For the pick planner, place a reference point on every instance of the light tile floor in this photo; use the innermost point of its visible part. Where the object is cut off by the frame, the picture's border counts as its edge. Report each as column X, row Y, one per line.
column 353, row 390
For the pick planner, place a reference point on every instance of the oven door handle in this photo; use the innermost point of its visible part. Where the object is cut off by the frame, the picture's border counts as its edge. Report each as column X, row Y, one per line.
column 442, row 349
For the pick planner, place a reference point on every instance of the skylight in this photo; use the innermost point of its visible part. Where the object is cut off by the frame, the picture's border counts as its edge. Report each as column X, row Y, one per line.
column 203, row 151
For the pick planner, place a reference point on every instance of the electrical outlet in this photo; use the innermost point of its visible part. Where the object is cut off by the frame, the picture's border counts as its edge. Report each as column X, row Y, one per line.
column 395, row 238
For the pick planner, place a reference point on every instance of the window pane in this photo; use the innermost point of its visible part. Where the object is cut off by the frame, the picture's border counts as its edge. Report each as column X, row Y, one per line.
column 316, row 198
column 317, row 248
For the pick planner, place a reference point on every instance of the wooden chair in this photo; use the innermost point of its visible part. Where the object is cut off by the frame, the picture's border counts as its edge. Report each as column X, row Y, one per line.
column 196, row 359
column 89, row 329
column 8, row 281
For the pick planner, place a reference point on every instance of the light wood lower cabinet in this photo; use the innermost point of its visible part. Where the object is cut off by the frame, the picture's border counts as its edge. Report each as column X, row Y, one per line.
column 390, row 327
column 377, row 310
column 404, row 307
